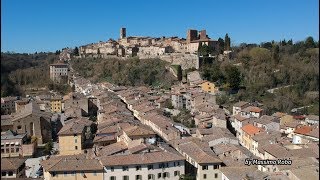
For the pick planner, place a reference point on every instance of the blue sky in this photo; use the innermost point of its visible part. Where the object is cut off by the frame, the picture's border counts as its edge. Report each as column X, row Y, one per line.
column 49, row 25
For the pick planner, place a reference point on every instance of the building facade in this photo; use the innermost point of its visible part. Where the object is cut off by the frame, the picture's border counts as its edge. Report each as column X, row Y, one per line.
column 59, row 72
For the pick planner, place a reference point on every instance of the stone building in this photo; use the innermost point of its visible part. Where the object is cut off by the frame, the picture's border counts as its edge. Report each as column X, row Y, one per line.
column 13, row 168
column 59, row 72
column 167, row 165
column 30, row 120
column 73, row 135
column 8, row 105
column 167, row 48
column 72, row 167
column 15, row 145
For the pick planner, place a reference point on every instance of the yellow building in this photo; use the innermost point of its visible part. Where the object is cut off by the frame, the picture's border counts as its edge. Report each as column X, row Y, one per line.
column 56, row 104
column 248, row 131
column 208, row 87
column 73, row 135
column 72, row 167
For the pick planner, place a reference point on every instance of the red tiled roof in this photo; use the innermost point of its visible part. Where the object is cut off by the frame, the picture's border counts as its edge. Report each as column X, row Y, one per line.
column 251, row 130
column 303, row 130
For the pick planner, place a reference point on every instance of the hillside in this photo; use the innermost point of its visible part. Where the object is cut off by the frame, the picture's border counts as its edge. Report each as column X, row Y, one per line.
column 294, row 66
column 132, row 72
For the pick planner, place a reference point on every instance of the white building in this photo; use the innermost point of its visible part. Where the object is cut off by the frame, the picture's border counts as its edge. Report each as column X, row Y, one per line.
column 147, row 166
column 58, row 72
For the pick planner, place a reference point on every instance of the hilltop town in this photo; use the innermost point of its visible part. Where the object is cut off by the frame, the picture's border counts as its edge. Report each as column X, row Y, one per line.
column 99, row 129
column 175, row 50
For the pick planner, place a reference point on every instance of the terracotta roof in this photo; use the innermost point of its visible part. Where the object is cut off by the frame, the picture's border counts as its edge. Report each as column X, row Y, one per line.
column 306, row 172
column 268, row 135
column 138, row 131
column 292, row 124
column 239, row 117
column 313, row 117
column 276, row 150
column 142, row 147
column 299, row 117
column 279, row 114
column 74, row 126
column 241, row 104
column 303, row 130
column 104, row 138
column 303, row 153
column 251, row 130
column 314, row 133
column 236, row 173
column 11, row 163
column 252, row 109
column 71, row 163
column 135, row 159
column 6, row 120
column 111, row 149
column 200, row 154
column 298, row 162
column 33, row 109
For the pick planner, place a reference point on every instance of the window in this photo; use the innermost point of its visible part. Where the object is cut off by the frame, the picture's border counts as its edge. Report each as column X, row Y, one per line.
column 111, row 169
column 3, row 173
column 125, row 168
column 216, row 175
column 150, row 167
column 138, row 177
column 178, row 163
column 162, row 165
column 19, row 127
column 10, row 173
column 215, row 166
column 53, row 174
column 159, row 175
column 95, row 173
column 112, row 178
column 17, row 149
column 287, row 173
column 76, row 147
column 150, row 177
column 125, row 178
column 204, row 167
column 2, row 150
column 73, row 173
column 177, row 173
column 166, row 174
column 138, row 168
column 205, row 176
column 65, row 173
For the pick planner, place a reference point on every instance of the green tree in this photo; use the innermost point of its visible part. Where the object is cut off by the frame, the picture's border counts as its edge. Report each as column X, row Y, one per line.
column 168, row 104
column 260, row 54
column 221, row 45
column 290, row 42
column 227, row 42
column 76, row 51
column 309, row 42
column 275, row 54
column 48, row 147
column 205, row 50
column 179, row 72
column 233, row 76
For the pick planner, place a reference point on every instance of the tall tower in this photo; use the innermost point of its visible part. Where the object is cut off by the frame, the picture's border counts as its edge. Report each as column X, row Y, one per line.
column 123, row 33
column 192, row 35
